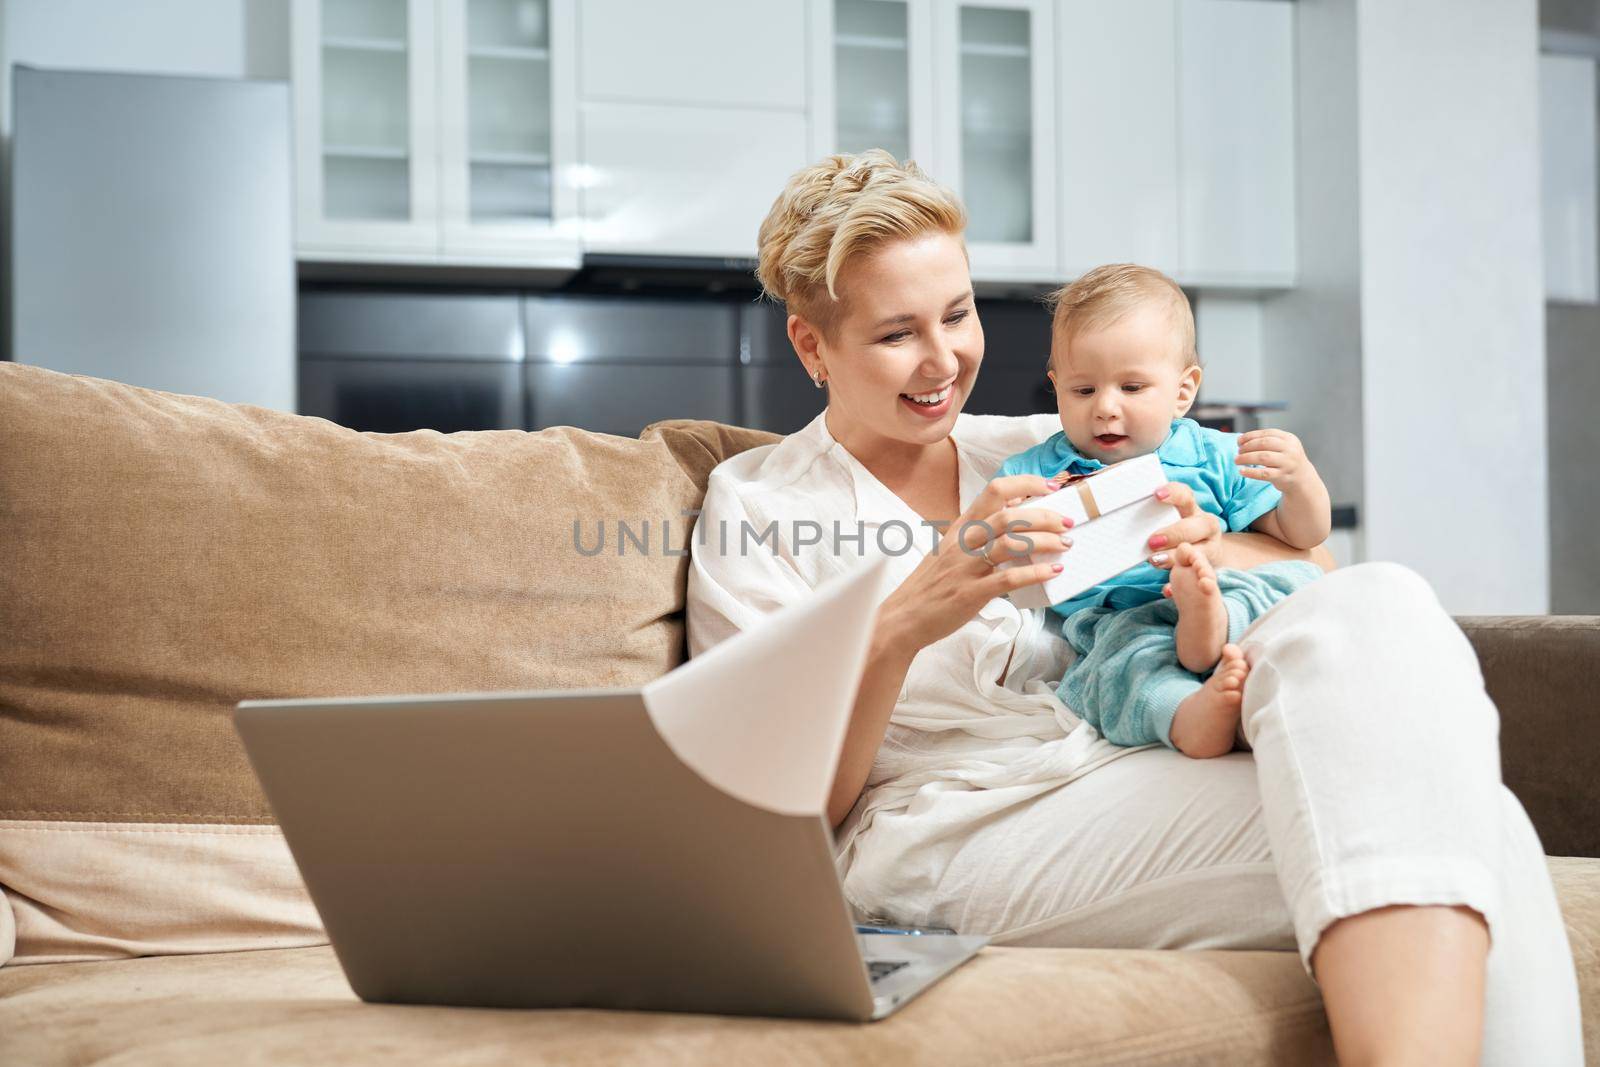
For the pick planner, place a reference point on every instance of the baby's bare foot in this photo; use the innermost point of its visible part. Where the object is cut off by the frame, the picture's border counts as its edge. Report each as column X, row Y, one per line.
column 1202, row 617
column 1207, row 720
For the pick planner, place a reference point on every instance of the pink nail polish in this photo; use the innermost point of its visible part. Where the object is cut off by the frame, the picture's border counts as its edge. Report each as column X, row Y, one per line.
column 1158, row 541
column 1056, row 567
column 1052, row 485
column 1067, row 541
column 1159, row 558
column 1066, row 522
column 1163, row 493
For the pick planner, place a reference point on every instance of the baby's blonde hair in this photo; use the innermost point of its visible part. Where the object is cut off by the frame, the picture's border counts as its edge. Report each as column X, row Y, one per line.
column 836, row 209
column 1105, row 294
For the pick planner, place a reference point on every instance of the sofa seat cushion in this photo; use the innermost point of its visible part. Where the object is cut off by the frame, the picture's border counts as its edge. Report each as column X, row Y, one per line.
column 1578, row 887
column 1008, row 1006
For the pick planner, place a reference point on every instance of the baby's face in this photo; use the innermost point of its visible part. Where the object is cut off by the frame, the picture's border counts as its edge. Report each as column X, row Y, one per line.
column 1118, row 388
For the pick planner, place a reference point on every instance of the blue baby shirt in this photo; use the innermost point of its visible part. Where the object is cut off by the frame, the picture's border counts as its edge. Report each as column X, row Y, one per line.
column 1199, row 457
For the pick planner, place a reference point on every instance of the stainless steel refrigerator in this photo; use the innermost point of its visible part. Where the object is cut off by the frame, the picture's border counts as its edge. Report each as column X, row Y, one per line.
column 152, row 238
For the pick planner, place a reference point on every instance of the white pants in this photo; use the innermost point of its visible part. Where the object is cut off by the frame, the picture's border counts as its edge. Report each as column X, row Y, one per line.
column 1375, row 780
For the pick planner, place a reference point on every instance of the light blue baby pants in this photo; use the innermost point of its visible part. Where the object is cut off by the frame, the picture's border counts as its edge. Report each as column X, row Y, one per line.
column 1127, row 680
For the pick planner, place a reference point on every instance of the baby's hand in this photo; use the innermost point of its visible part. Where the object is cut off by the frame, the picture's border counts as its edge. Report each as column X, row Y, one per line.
column 1274, row 456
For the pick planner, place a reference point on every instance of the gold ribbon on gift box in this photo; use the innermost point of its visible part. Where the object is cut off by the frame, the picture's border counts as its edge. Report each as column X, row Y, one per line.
column 1086, row 491
column 1086, row 495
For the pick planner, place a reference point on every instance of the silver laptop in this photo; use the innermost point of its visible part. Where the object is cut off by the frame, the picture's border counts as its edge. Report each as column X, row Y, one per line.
column 660, row 848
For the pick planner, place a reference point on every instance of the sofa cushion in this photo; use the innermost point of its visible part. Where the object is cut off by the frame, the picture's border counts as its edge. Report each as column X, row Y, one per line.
column 699, row 445
column 1008, row 1006
column 1539, row 670
column 167, row 556
column 1577, row 882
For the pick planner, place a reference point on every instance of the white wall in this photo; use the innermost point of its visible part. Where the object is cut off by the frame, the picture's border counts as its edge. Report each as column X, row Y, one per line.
column 1228, row 336
column 1311, row 336
column 1452, row 304
column 1411, row 351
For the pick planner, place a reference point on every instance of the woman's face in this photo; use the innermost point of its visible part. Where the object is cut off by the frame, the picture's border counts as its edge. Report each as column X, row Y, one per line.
column 904, row 347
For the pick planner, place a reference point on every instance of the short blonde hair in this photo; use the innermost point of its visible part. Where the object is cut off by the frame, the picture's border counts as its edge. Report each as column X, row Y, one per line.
column 837, row 209
column 1105, row 294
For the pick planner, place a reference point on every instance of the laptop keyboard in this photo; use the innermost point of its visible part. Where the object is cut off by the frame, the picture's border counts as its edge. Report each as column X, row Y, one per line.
column 879, row 969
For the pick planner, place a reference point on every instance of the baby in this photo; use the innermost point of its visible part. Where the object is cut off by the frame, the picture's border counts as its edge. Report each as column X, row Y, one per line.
column 1125, row 373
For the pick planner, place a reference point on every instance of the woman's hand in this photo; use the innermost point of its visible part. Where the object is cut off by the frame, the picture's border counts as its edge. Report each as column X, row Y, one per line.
column 1195, row 527
column 947, row 588
column 962, row 574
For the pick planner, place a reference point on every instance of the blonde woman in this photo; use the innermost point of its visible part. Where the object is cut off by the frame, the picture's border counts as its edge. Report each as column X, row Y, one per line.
column 1369, row 826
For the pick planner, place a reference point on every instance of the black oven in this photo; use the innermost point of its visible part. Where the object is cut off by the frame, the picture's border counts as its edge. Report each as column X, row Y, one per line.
column 393, row 362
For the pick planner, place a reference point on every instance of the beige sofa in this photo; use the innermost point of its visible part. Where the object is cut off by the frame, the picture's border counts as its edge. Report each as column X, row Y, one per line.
column 166, row 556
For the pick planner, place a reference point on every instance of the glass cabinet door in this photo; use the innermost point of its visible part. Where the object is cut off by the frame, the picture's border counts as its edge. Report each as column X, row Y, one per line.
column 435, row 130
column 872, row 81
column 872, row 76
column 505, row 65
column 366, row 139
column 997, row 123
column 364, row 75
column 997, row 126
column 508, row 110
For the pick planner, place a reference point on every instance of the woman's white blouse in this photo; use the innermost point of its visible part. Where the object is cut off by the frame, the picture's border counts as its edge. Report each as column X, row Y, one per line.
column 968, row 737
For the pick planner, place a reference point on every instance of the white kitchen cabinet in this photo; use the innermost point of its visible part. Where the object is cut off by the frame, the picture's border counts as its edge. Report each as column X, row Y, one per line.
column 676, row 180
column 1236, row 143
column 965, row 88
column 365, row 97
column 689, row 127
column 735, row 53
column 994, row 63
column 1081, row 132
column 1118, row 108
column 872, row 78
column 508, row 131
column 435, row 131
column 523, row 132
column 1568, row 135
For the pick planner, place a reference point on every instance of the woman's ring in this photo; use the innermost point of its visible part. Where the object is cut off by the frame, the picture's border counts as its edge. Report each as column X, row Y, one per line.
column 984, row 552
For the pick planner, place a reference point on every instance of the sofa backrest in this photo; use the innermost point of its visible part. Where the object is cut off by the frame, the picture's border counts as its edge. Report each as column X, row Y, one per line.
column 167, row 556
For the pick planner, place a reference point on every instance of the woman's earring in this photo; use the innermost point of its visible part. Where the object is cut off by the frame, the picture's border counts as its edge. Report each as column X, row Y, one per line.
column 816, row 379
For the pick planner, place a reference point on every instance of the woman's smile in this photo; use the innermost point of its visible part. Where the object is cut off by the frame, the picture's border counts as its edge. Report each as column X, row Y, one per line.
column 932, row 404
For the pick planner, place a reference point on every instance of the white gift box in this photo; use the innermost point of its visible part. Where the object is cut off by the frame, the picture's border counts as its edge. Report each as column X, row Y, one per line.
column 1114, row 512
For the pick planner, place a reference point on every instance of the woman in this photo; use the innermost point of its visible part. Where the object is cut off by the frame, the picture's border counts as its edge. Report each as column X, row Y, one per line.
column 1369, row 825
